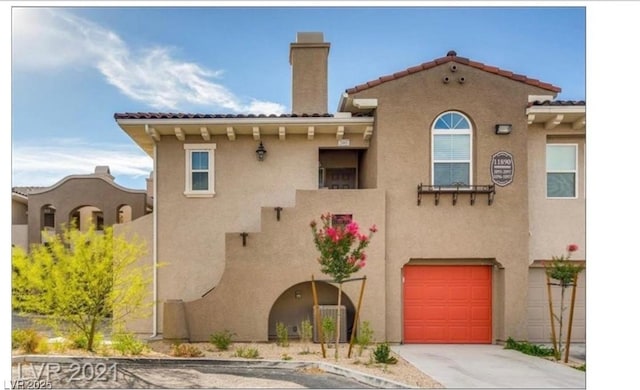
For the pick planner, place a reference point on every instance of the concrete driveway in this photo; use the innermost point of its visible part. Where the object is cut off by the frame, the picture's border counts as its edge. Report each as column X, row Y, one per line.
column 488, row 366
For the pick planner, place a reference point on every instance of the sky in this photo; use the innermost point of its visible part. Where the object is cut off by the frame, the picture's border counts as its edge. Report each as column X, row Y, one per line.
column 73, row 68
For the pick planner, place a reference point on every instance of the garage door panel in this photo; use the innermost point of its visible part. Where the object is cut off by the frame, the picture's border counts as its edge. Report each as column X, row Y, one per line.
column 539, row 326
column 447, row 304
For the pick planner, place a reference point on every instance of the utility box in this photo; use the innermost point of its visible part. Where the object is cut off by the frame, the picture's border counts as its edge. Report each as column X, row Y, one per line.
column 332, row 312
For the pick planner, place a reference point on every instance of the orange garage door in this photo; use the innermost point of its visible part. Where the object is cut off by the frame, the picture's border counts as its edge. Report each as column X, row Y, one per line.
column 447, row 304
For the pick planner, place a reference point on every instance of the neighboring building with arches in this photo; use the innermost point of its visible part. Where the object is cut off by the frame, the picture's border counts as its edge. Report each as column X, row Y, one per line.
column 82, row 200
column 474, row 176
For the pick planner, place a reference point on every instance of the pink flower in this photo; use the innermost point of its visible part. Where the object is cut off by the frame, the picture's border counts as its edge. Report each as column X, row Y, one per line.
column 362, row 264
column 572, row 247
column 362, row 237
column 373, row 229
column 352, row 228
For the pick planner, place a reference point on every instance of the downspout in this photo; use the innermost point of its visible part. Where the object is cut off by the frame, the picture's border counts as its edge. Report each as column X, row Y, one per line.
column 155, row 235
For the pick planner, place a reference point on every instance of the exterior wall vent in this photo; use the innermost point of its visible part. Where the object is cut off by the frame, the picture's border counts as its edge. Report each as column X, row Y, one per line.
column 332, row 312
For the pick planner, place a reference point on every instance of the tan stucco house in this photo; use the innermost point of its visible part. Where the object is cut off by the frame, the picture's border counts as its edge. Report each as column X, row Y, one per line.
column 474, row 176
column 83, row 200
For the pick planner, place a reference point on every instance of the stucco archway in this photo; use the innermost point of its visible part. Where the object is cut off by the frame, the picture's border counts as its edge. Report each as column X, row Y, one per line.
column 295, row 305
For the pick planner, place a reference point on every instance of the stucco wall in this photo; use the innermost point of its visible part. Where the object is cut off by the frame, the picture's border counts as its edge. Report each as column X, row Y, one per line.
column 18, row 213
column 19, row 236
column 141, row 229
column 283, row 255
column 406, row 110
column 554, row 223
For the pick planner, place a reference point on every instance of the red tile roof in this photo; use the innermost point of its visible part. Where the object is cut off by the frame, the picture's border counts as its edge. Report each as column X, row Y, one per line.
column 172, row 115
column 453, row 57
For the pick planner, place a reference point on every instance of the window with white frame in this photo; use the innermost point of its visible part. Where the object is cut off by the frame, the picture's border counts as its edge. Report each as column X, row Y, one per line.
column 199, row 169
column 451, row 139
column 562, row 169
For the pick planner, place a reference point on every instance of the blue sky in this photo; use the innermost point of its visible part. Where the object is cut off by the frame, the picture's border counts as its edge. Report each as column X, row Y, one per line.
column 73, row 68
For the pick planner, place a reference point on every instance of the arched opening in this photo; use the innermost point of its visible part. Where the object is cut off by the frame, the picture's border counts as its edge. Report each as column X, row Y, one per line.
column 295, row 305
column 47, row 221
column 124, row 213
column 83, row 217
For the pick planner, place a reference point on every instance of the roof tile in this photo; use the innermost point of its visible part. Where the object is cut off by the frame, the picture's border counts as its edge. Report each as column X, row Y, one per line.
column 460, row 60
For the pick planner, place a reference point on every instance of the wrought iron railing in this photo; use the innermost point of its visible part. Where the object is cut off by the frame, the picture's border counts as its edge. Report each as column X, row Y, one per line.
column 456, row 190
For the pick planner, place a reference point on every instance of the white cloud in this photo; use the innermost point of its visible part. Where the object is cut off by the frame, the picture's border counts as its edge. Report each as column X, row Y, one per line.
column 50, row 161
column 46, row 39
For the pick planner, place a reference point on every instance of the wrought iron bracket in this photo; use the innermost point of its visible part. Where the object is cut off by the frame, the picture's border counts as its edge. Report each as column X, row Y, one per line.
column 278, row 210
column 473, row 191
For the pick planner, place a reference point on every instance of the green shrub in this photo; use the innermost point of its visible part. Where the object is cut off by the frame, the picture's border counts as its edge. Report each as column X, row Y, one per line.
column 128, row 344
column 306, row 331
column 247, row 353
column 528, row 349
column 382, row 354
column 29, row 340
column 222, row 340
column 581, row 367
column 186, row 350
column 328, row 329
column 283, row 334
column 80, row 341
column 364, row 337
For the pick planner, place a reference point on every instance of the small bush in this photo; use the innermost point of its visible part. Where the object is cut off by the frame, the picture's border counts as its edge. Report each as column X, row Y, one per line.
column 306, row 331
column 365, row 337
column 283, row 334
column 528, row 349
column 247, row 353
column 328, row 329
column 80, row 340
column 582, row 367
column 222, row 339
column 382, row 354
column 29, row 340
column 186, row 350
column 286, row 356
column 128, row 344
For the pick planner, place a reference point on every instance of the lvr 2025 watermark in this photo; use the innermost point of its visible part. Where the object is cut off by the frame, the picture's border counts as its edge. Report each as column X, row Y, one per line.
column 40, row 375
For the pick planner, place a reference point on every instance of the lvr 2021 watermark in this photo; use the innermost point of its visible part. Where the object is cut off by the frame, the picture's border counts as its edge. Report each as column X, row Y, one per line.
column 40, row 375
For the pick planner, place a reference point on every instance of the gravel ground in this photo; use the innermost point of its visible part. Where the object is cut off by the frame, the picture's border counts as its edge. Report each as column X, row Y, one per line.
column 402, row 371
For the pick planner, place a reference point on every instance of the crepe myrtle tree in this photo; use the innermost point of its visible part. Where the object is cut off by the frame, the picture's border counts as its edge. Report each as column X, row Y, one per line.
column 342, row 253
column 79, row 279
column 565, row 274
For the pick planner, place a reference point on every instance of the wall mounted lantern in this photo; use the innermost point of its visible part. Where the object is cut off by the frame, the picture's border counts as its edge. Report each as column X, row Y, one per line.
column 261, row 152
column 503, row 128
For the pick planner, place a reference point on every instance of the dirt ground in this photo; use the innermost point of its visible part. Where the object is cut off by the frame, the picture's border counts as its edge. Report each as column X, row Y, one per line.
column 402, row 371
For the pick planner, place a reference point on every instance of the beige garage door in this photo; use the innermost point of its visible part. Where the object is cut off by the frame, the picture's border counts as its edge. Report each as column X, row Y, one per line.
column 539, row 326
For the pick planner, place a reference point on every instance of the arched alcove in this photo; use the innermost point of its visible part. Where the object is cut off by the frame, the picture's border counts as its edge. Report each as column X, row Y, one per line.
column 84, row 216
column 47, row 220
column 295, row 305
column 124, row 213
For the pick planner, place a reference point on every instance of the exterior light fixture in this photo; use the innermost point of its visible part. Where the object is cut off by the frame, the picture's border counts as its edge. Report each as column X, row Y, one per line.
column 298, row 294
column 503, row 128
column 261, row 152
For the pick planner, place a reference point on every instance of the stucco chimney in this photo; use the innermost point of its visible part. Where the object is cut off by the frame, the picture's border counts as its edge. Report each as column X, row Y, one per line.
column 308, row 57
column 103, row 170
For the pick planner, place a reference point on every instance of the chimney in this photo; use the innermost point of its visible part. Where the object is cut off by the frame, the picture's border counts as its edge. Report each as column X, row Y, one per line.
column 308, row 57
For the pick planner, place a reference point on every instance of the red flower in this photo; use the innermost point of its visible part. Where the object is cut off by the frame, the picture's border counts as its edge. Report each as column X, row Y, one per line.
column 373, row 229
column 572, row 247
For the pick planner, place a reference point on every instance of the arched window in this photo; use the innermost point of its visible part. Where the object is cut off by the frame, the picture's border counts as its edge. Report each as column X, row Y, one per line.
column 451, row 137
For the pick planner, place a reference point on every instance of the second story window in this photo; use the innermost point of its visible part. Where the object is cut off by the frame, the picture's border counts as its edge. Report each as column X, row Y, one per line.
column 199, row 170
column 451, row 137
column 562, row 170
